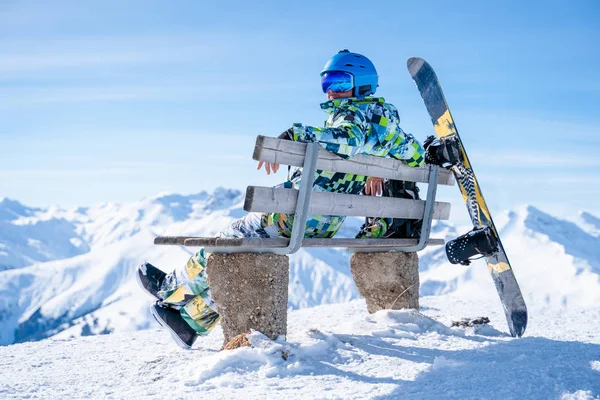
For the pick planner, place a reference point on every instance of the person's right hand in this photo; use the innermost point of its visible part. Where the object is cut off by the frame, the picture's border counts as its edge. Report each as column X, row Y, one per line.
column 374, row 186
column 268, row 166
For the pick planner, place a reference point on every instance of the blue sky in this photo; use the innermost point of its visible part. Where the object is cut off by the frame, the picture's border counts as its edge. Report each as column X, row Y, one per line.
column 115, row 101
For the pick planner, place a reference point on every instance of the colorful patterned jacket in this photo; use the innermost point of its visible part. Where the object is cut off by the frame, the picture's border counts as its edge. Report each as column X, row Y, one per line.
column 355, row 126
column 368, row 126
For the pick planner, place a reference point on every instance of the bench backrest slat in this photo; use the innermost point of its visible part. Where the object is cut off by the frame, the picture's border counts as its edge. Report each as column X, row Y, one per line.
column 289, row 201
column 292, row 153
column 266, row 199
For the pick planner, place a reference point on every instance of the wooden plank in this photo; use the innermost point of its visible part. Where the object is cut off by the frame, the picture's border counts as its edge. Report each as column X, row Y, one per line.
column 265, row 199
column 170, row 240
column 282, row 242
column 288, row 152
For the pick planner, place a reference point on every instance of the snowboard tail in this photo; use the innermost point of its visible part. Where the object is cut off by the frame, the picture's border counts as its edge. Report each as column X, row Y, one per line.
column 506, row 284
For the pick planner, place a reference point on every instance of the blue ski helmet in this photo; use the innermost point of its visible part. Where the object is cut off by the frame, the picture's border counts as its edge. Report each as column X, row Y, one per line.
column 363, row 70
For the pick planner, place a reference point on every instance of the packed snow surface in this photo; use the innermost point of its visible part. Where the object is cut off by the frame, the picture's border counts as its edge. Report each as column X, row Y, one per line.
column 331, row 352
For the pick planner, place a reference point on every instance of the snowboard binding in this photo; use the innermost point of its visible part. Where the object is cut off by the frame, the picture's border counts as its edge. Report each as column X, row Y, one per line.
column 444, row 152
column 479, row 241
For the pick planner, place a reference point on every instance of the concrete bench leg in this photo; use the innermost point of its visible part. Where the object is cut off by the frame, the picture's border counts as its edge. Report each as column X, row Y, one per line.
column 250, row 291
column 387, row 280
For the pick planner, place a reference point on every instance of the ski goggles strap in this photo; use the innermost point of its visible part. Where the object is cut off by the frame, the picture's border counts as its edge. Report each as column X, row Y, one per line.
column 337, row 81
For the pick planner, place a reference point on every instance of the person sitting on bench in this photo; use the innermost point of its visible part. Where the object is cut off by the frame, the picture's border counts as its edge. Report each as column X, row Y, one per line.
column 358, row 123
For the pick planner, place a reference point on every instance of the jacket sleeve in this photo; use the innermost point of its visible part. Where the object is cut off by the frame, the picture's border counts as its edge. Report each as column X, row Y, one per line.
column 345, row 135
column 408, row 149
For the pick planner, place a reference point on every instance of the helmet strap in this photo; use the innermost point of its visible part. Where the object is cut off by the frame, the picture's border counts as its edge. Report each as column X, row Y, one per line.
column 364, row 89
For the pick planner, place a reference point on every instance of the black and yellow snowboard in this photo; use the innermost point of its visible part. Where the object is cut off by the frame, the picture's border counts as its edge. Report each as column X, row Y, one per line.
column 499, row 267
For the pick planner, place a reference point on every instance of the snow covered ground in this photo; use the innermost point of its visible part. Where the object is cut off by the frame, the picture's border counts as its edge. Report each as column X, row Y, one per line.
column 332, row 352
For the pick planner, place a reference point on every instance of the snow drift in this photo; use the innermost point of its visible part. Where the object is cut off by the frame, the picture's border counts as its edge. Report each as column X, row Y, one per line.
column 331, row 352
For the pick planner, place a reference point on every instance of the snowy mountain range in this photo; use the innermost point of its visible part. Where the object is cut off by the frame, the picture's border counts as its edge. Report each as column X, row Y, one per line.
column 70, row 272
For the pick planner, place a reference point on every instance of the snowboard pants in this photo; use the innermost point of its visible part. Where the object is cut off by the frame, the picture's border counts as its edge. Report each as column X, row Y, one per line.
column 394, row 227
column 186, row 288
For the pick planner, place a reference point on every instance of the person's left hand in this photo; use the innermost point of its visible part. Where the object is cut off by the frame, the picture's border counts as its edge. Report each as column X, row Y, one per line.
column 268, row 166
column 374, row 186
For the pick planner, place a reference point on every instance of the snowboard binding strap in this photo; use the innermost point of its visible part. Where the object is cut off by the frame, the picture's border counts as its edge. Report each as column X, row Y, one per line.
column 444, row 152
column 479, row 241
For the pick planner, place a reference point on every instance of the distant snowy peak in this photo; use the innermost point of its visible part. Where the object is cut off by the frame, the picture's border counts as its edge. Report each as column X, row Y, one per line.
column 30, row 235
column 540, row 221
column 590, row 222
column 529, row 221
column 181, row 207
column 11, row 210
column 25, row 239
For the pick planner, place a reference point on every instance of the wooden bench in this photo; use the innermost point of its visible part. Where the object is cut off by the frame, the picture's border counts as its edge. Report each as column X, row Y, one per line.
column 305, row 202
column 251, row 290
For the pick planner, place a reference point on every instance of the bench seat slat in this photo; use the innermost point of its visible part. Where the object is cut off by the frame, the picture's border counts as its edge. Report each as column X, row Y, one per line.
column 282, row 242
column 265, row 199
column 288, row 152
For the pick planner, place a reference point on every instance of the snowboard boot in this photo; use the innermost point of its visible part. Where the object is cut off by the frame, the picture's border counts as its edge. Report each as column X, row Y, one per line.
column 171, row 319
column 150, row 279
column 394, row 228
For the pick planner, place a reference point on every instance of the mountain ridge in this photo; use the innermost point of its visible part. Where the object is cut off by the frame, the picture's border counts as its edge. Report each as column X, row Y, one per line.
column 81, row 280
